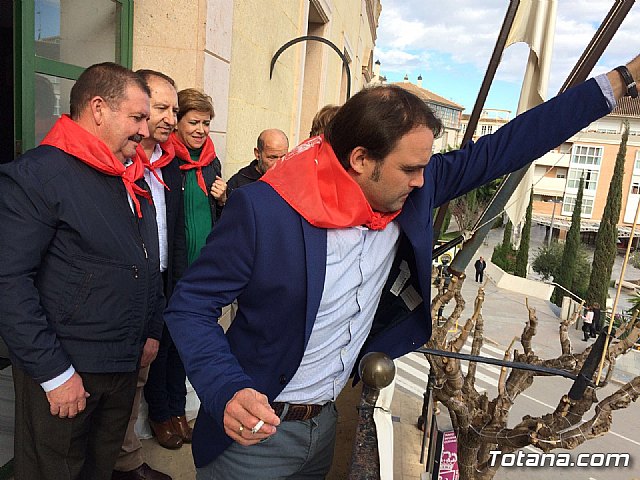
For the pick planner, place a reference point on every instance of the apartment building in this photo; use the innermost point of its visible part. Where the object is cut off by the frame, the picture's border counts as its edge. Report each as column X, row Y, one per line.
column 491, row 119
column 589, row 154
column 447, row 111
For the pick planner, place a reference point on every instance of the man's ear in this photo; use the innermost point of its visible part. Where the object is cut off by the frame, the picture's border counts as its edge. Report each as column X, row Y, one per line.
column 97, row 106
column 256, row 153
column 357, row 159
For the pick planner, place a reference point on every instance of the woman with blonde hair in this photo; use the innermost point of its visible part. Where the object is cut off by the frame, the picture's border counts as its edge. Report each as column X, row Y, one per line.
column 322, row 119
column 203, row 187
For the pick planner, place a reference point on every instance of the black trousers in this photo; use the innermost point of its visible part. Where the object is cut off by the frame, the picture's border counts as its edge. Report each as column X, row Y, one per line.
column 165, row 390
column 48, row 447
column 479, row 275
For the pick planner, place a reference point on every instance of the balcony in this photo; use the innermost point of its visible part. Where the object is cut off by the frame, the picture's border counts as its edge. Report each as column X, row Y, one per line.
column 554, row 159
column 549, row 186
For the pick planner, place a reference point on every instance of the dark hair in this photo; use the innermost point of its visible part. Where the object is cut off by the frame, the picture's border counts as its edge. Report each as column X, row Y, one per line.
column 377, row 118
column 322, row 119
column 192, row 99
column 107, row 80
column 260, row 141
column 148, row 74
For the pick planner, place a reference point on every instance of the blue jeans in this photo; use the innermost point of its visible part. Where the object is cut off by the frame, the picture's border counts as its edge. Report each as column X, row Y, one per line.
column 298, row 450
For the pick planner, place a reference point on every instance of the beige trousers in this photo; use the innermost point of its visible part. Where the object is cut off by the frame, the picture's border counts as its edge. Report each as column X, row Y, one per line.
column 130, row 456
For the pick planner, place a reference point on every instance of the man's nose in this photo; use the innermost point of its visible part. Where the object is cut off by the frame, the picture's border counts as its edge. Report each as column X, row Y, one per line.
column 417, row 181
column 144, row 129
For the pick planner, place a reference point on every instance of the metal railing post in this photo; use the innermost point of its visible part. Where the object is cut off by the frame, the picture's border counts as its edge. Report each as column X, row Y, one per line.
column 377, row 371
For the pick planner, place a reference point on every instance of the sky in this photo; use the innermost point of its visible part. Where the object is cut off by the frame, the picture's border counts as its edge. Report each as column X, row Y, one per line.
column 450, row 43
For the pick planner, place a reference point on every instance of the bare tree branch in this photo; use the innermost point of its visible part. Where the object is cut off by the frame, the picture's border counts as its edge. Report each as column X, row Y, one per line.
column 481, row 424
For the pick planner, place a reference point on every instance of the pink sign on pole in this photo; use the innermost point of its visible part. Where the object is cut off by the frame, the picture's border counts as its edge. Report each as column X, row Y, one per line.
column 448, row 468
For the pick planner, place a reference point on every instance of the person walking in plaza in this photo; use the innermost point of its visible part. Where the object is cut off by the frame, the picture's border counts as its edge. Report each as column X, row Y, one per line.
column 480, row 266
column 587, row 323
column 164, row 179
column 329, row 257
column 80, row 286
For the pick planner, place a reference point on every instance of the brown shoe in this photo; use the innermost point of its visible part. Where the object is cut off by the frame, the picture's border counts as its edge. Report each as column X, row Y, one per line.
column 143, row 472
column 165, row 434
column 181, row 428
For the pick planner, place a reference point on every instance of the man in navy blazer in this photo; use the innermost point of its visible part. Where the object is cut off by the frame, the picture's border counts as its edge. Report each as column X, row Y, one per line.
column 329, row 257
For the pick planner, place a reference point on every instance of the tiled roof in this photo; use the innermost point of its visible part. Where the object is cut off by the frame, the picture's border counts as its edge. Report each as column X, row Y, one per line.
column 427, row 95
column 627, row 107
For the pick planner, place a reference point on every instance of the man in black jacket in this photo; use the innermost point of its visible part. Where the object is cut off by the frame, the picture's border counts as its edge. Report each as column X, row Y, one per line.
column 165, row 181
column 80, row 286
column 480, row 266
column 271, row 146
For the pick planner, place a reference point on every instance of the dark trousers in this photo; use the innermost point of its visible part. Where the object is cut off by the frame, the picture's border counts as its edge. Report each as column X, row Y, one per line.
column 586, row 330
column 165, row 391
column 48, row 447
column 595, row 326
column 479, row 275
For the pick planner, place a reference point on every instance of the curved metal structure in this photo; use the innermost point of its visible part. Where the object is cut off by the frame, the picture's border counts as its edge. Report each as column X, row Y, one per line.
column 304, row 38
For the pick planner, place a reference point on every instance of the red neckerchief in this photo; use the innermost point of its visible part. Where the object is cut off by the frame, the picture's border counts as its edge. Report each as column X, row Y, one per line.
column 311, row 179
column 71, row 138
column 168, row 154
column 207, row 156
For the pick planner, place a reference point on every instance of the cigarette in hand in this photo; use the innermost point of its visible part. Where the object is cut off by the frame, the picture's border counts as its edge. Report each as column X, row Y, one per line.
column 257, row 427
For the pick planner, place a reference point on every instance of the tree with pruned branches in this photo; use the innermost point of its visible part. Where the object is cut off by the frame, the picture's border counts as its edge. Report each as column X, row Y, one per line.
column 480, row 423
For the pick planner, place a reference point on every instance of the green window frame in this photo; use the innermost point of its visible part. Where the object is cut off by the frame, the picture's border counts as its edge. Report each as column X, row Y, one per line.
column 27, row 64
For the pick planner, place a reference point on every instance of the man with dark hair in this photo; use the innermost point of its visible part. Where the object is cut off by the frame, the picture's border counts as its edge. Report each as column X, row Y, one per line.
column 80, row 287
column 329, row 257
column 271, row 146
column 165, row 182
column 480, row 266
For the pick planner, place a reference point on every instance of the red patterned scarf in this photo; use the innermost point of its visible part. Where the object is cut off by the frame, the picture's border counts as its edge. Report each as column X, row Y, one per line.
column 71, row 138
column 311, row 179
column 168, row 154
column 207, row 156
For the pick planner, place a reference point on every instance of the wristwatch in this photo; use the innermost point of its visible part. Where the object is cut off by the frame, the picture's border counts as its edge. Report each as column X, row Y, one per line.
column 632, row 89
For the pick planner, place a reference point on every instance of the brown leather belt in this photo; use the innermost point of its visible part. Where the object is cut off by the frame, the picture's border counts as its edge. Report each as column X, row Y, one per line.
column 297, row 411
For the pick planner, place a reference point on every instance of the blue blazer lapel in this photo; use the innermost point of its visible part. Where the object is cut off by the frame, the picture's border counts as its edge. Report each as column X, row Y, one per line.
column 420, row 237
column 315, row 244
column 409, row 220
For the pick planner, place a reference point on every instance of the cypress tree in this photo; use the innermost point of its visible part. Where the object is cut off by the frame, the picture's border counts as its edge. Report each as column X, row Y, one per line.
column 607, row 236
column 446, row 221
column 570, row 252
column 506, row 236
column 522, row 259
